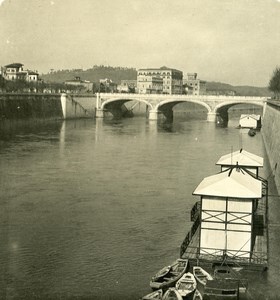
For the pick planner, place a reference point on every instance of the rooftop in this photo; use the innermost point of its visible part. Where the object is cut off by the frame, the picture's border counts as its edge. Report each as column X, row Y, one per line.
column 242, row 158
column 14, row 65
column 234, row 182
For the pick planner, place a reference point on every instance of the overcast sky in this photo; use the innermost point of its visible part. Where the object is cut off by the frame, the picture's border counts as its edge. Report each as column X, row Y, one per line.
column 231, row 41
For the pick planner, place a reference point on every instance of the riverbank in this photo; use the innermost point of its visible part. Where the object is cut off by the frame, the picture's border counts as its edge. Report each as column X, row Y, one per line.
column 32, row 106
column 270, row 132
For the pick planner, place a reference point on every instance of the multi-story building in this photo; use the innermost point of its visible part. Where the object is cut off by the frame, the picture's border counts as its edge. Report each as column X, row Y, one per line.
column 15, row 71
column 107, row 85
column 78, row 82
column 127, row 86
column 148, row 84
column 150, row 81
column 193, row 85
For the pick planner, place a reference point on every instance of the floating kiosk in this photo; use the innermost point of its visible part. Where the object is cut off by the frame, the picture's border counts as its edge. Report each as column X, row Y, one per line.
column 229, row 235
column 250, row 121
column 230, row 219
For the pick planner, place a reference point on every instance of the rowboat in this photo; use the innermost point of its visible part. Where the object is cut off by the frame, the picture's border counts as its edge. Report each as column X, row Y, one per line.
column 252, row 132
column 172, row 294
column 164, row 280
column 201, row 275
column 197, row 295
column 156, row 295
column 221, row 289
column 186, row 284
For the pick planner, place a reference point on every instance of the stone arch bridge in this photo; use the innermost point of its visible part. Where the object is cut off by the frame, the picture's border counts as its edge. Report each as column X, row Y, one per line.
column 159, row 104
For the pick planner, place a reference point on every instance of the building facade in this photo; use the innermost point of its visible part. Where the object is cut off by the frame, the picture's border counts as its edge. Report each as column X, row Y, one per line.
column 159, row 81
column 15, row 71
column 193, row 85
column 127, row 86
column 87, row 85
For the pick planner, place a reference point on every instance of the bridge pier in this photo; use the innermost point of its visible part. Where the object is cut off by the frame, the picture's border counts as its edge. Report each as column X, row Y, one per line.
column 99, row 113
column 211, row 117
column 153, row 114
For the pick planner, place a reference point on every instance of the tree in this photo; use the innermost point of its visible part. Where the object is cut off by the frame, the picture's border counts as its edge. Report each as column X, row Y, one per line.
column 274, row 83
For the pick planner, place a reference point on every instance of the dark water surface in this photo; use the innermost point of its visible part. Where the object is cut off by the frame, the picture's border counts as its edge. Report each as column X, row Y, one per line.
column 91, row 209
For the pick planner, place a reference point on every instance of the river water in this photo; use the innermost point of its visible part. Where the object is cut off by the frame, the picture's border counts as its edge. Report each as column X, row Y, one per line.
column 91, row 209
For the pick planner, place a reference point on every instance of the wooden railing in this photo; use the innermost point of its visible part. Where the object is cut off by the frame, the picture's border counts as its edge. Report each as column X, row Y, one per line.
column 189, row 236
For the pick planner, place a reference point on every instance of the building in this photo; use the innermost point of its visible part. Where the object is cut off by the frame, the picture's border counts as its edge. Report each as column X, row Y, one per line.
column 250, row 121
column 87, row 85
column 149, row 84
column 229, row 202
column 15, row 71
column 243, row 159
column 127, row 86
column 107, row 86
column 193, row 85
column 159, row 81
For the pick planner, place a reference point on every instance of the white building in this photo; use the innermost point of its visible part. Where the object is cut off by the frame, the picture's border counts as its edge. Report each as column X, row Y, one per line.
column 250, row 121
column 243, row 159
column 193, row 85
column 228, row 205
column 15, row 71
column 159, row 80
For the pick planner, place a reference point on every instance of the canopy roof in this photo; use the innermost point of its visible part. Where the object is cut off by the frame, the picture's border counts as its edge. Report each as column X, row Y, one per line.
column 252, row 116
column 14, row 65
column 233, row 183
column 242, row 158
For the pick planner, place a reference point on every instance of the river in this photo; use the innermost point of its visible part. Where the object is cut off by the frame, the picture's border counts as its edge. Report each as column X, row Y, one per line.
column 91, row 209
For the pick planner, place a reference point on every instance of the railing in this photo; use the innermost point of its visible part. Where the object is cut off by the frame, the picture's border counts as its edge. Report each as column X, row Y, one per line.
column 202, row 97
column 195, row 211
column 189, row 236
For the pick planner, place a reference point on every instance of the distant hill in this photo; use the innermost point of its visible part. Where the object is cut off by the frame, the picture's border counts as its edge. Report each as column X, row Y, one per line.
column 116, row 74
column 240, row 90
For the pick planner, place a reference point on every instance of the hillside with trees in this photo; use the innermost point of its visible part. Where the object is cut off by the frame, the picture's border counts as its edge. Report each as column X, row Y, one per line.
column 116, row 74
column 239, row 90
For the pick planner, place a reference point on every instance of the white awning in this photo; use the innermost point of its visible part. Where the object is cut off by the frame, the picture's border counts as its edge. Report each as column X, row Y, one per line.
column 234, row 183
column 242, row 158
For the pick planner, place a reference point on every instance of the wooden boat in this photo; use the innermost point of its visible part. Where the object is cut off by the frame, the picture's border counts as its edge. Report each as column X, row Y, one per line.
column 169, row 275
column 197, row 295
column 221, row 290
column 172, row 294
column 201, row 275
column 252, row 132
column 223, row 272
column 186, row 284
column 156, row 295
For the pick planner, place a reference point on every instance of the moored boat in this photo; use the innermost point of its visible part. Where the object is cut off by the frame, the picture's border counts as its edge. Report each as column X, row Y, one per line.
column 172, row 294
column 197, row 295
column 221, row 290
column 201, row 275
column 252, row 132
column 186, row 284
column 156, row 295
column 174, row 272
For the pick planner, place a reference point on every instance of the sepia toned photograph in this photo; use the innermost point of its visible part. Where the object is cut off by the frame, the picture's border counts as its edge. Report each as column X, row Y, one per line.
column 139, row 150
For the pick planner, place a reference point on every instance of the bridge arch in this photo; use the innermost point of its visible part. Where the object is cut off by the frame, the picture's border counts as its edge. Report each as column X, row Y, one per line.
column 221, row 110
column 228, row 105
column 111, row 100
column 177, row 101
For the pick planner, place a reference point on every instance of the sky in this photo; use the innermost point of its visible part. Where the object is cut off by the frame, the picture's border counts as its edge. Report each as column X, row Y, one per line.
column 230, row 41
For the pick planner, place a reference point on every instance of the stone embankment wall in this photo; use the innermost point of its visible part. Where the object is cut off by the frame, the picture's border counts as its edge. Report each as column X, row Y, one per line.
column 14, row 106
column 30, row 106
column 87, row 101
column 271, row 132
